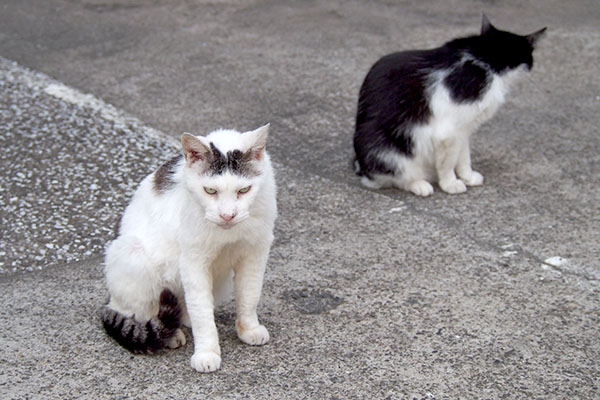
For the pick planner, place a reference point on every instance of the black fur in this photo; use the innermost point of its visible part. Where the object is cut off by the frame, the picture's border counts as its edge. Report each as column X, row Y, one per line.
column 163, row 177
column 394, row 95
column 392, row 99
column 149, row 337
column 235, row 161
column 467, row 82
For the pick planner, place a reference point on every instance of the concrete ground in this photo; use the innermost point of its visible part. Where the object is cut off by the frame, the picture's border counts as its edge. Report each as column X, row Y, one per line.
column 492, row 294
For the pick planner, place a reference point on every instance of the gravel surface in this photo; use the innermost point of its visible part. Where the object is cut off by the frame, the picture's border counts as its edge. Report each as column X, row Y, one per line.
column 69, row 165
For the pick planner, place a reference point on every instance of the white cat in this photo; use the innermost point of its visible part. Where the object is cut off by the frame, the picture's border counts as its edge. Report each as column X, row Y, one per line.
column 197, row 225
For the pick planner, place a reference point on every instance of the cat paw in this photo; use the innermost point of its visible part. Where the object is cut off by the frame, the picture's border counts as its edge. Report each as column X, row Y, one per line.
column 421, row 188
column 370, row 183
column 206, row 362
column 454, row 186
column 254, row 336
column 472, row 178
column 177, row 340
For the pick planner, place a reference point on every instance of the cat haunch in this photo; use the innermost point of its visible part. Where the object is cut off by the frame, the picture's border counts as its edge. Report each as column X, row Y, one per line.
column 417, row 109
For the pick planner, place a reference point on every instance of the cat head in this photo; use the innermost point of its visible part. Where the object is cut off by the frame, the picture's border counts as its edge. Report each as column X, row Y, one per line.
column 224, row 172
column 505, row 51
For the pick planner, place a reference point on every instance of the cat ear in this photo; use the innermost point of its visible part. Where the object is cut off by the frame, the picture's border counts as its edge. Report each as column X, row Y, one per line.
column 194, row 149
column 258, row 141
column 535, row 36
column 486, row 25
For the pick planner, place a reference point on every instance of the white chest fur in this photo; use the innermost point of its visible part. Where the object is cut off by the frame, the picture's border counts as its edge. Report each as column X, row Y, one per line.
column 450, row 118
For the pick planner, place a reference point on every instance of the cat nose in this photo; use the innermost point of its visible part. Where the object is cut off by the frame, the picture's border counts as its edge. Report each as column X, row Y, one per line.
column 227, row 217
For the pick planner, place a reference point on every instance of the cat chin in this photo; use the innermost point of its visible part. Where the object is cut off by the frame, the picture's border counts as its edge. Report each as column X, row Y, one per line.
column 227, row 225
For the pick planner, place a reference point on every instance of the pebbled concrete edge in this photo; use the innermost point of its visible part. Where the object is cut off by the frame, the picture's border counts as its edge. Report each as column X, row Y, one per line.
column 42, row 82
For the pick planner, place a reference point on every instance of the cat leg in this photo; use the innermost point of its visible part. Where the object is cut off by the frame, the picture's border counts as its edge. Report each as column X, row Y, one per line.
column 463, row 167
column 412, row 174
column 196, row 277
column 129, row 280
column 409, row 174
column 134, row 316
column 185, row 316
column 446, row 157
column 421, row 188
column 177, row 341
column 378, row 181
column 248, row 281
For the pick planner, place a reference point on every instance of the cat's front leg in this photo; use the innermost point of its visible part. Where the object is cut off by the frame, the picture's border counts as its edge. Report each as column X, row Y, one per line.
column 421, row 188
column 463, row 167
column 446, row 157
column 196, row 278
column 248, row 280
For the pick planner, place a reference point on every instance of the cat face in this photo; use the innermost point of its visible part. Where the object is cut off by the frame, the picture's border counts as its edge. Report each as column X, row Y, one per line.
column 227, row 199
column 506, row 51
column 223, row 172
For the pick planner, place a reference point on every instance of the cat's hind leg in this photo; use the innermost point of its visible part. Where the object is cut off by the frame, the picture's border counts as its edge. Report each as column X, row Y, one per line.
column 141, row 316
column 463, row 167
column 177, row 341
column 411, row 175
column 149, row 336
column 378, row 181
column 133, row 288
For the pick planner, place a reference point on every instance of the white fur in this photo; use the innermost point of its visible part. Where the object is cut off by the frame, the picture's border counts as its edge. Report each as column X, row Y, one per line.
column 177, row 240
column 441, row 146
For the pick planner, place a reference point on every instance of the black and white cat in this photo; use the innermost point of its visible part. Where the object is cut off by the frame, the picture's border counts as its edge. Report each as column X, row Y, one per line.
column 417, row 109
column 200, row 224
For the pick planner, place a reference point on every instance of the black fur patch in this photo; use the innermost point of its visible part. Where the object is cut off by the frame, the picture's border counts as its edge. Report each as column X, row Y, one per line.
column 144, row 338
column 234, row 161
column 392, row 100
column 163, row 177
column 467, row 82
column 117, row 230
column 169, row 313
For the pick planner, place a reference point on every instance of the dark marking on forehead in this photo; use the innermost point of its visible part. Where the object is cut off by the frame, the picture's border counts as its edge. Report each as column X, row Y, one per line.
column 234, row 161
column 163, row 177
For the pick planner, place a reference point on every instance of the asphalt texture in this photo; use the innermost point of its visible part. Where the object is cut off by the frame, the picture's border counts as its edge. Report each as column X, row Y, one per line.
column 490, row 294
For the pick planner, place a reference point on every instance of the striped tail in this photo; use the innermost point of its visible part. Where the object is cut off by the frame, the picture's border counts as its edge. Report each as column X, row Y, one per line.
column 149, row 337
column 356, row 166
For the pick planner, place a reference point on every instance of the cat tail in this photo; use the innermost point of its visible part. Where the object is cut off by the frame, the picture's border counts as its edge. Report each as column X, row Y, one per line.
column 148, row 337
column 357, row 169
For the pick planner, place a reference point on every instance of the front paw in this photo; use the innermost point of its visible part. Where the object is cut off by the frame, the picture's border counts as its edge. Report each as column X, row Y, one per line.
column 472, row 178
column 421, row 188
column 254, row 336
column 206, row 361
column 453, row 186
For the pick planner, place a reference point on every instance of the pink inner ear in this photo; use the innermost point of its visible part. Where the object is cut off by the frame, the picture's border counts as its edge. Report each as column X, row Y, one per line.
column 258, row 154
column 193, row 149
column 192, row 156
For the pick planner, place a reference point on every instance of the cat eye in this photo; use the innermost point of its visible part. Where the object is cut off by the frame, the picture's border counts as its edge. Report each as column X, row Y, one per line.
column 210, row 190
column 244, row 190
